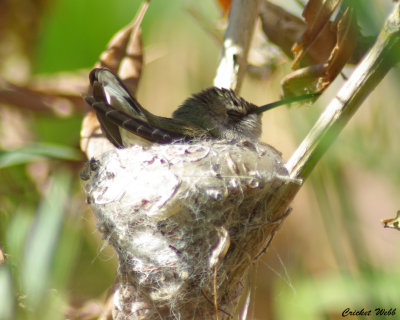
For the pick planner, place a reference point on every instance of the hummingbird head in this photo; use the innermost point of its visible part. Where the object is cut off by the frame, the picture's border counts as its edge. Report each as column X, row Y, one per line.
column 222, row 113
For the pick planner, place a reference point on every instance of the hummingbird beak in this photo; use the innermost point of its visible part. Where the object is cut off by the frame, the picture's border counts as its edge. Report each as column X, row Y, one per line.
column 275, row 104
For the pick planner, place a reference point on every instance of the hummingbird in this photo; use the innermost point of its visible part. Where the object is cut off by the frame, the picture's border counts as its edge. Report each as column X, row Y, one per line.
column 213, row 113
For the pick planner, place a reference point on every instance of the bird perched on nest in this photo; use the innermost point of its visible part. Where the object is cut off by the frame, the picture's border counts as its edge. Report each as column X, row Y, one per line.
column 214, row 113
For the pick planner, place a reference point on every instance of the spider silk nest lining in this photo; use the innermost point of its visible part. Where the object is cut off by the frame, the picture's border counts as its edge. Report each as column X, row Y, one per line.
column 185, row 219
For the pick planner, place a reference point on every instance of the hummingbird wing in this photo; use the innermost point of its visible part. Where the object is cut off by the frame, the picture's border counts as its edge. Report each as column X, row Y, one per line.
column 106, row 85
column 116, row 108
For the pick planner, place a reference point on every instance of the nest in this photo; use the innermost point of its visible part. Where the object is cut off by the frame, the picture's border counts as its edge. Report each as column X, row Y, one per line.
column 186, row 220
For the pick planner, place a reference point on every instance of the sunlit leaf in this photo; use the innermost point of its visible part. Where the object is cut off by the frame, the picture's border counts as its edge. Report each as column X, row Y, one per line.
column 7, row 302
column 37, row 152
column 43, row 238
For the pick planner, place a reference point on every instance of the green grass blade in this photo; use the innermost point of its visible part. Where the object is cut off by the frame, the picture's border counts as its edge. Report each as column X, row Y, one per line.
column 37, row 152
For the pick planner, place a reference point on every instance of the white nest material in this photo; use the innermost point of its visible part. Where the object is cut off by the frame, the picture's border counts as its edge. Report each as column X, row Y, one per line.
column 186, row 221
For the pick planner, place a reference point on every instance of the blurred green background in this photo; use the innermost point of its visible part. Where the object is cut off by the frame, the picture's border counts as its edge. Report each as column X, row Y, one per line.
column 332, row 252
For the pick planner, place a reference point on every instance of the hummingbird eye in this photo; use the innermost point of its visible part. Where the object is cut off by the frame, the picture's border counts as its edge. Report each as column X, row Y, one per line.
column 235, row 114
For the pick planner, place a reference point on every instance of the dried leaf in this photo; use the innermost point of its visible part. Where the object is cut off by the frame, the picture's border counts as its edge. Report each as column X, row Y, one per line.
column 116, row 49
column 93, row 141
column 317, row 14
column 318, row 39
column 325, row 48
column 281, row 28
column 225, row 6
column 43, row 97
column 124, row 56
column 304, row 80
column 131, row 64
column 393, row 223
column 344, row 48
